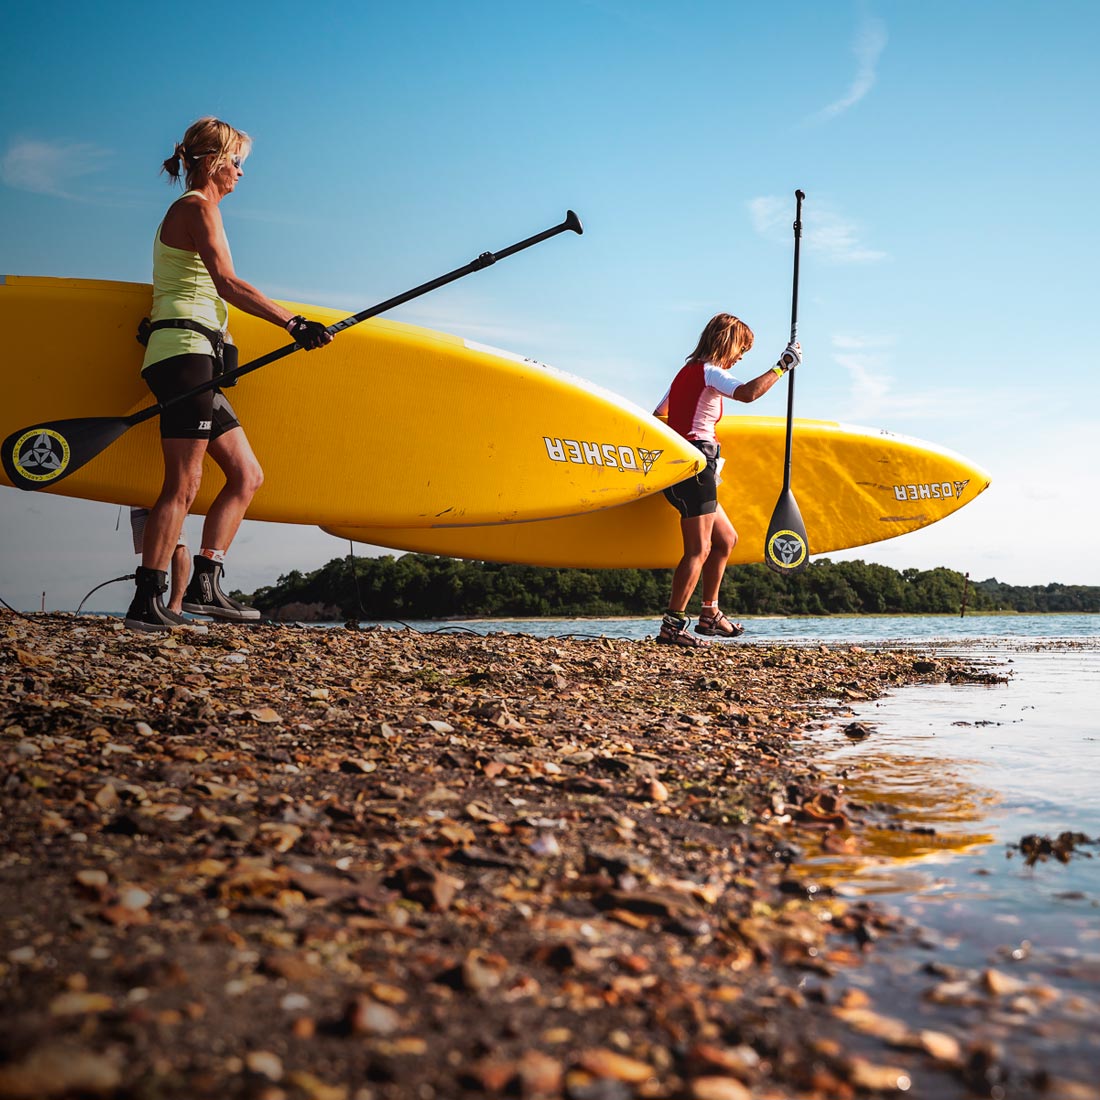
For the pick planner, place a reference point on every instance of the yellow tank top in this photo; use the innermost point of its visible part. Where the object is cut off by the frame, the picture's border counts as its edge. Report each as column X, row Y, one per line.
column 182, row 288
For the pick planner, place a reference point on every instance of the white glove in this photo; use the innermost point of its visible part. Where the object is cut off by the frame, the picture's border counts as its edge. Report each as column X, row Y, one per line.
column 791, row 357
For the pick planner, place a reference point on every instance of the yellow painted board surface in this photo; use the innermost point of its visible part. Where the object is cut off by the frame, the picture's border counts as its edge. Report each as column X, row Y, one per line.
column 390, row 425
column 854, row 486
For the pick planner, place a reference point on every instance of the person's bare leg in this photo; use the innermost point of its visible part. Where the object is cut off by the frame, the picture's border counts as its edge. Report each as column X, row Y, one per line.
column 243, row 477
column 723, row 539
column 182, row 475
column 180, row 573
column 696, row 532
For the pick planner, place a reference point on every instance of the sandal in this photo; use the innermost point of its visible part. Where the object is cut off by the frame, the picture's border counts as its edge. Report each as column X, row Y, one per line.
column 674, row 632
column 718, row 625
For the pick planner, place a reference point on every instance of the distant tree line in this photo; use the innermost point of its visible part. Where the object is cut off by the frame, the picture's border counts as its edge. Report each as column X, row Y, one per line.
column 422, row 586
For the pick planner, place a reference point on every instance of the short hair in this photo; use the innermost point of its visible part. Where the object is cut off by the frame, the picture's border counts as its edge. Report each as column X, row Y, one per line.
column 724, row 340
column 208, row 143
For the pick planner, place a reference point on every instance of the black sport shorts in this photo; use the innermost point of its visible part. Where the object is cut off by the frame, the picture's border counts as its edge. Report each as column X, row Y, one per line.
column 207, row 415
column 698, row 495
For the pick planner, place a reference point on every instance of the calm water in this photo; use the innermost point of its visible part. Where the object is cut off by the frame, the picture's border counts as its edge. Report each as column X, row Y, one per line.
column 984, row 766
column 857, row 629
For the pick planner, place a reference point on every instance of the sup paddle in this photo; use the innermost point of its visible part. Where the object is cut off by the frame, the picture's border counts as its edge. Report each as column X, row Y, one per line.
column 786, row 549
column 42, row 454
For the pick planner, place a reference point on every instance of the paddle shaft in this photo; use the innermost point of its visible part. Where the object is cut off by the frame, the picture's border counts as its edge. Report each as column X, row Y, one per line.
column 786, row 549
column 486, row 259
column 799, row 196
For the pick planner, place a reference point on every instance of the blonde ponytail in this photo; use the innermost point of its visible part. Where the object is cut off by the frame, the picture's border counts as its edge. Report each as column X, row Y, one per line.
column 207, row 145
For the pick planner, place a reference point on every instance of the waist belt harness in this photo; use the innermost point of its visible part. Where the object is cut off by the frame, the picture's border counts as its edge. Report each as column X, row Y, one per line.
column 225, row 353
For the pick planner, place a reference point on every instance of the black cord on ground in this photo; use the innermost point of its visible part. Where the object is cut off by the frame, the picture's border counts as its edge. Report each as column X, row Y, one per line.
column 363, row 610
column 574, row 634
column 456, row 629
column 449, row 629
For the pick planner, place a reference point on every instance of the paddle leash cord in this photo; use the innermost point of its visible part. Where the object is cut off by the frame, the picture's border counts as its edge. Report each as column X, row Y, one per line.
column 14, row 612
column 355, row 577
column 128, row 577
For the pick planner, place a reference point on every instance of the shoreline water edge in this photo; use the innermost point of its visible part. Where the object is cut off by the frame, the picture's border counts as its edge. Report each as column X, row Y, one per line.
column 375, row 864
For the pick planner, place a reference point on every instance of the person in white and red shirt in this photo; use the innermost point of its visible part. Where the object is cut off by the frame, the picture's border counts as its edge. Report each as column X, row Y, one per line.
column 693, row 406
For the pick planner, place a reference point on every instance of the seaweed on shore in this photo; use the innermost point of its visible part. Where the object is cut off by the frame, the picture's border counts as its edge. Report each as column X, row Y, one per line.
column 1038, row 849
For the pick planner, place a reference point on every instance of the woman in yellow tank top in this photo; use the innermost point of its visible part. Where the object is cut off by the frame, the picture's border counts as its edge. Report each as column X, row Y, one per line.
column 193, row 279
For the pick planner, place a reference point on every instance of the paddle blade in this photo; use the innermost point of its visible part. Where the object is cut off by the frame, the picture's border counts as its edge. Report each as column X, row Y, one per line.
column 786, row 548
column 40, row 456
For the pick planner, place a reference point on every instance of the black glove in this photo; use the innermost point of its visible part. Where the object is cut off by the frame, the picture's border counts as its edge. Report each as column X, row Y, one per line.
column 308, row 334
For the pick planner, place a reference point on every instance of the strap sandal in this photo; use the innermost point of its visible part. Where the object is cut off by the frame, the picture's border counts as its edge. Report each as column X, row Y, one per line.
column 675, row 632
column 718, row 626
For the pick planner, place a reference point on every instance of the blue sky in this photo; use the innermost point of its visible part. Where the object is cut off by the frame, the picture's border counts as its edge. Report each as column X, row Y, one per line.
column 947, row 151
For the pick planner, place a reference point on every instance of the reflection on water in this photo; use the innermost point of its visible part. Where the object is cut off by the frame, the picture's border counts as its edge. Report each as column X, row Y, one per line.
column 930, row 818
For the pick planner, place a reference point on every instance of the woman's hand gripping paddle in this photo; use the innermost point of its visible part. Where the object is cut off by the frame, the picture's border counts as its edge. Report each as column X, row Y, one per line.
column 786, row 548
column 42, row 454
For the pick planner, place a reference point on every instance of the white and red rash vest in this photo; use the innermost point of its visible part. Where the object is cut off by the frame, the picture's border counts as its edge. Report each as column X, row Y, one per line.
column 694, row 400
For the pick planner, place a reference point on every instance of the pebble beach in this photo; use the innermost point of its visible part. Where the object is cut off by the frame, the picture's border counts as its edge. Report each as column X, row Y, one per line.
column 278, row 863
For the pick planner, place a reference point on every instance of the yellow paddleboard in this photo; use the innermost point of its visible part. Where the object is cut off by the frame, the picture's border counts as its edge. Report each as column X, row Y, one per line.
column 388, row 426
column 854, row 486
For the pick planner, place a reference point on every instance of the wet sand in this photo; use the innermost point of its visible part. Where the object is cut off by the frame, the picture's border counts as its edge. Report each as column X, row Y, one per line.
column 277, row 863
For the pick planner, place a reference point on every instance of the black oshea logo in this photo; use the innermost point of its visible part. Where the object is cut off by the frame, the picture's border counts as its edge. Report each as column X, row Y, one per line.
column 786, row 549
column 41, row 454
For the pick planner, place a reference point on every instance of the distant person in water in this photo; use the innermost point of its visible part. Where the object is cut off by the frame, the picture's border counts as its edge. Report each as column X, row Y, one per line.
column 693, row 405
column 180, row 564
column 187, row 343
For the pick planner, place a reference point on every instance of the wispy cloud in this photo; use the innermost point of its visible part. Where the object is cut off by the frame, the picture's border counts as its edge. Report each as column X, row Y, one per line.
column 769, row 214
column 51, row 168
column 873, row 397
column 868, row 46
column 826, row 231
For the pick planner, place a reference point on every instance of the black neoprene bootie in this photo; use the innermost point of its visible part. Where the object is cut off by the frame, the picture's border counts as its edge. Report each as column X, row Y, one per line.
column 146, row 610
column 204, row 595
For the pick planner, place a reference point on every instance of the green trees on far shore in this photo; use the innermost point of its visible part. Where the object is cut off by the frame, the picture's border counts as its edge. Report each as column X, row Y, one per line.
column 422, row 586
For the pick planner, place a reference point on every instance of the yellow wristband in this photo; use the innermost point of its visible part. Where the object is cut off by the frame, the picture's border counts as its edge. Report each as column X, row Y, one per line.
column 779, row 371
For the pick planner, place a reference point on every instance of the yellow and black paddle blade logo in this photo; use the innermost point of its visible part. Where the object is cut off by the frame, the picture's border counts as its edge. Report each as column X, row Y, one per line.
column 786, row 550
column 39, row 455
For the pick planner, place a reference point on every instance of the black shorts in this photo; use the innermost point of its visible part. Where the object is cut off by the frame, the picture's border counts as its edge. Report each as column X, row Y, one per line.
column 698, row 495
column 207, row 415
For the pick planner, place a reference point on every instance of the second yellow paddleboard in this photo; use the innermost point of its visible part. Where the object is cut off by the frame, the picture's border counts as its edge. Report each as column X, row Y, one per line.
column 854, row 486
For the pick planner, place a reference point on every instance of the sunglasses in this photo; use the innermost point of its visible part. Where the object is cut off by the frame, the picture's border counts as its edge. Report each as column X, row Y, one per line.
column 236, row 160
